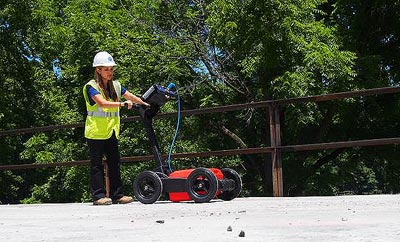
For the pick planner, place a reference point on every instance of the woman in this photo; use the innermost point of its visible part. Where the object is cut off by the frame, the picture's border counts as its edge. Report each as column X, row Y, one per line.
column 102, row 96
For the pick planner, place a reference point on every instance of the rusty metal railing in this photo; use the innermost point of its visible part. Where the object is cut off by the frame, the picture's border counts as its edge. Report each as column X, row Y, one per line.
column 275, row 149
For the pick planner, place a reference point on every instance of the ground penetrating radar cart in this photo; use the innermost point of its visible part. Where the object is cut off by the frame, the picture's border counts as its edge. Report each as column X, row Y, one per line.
column 197, row 184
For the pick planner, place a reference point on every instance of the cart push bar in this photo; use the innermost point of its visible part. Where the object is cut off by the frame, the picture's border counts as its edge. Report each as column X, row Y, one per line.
column 197, row 184
column 156, row 96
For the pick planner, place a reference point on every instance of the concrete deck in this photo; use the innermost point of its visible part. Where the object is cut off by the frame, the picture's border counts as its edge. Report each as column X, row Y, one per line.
column 342, row 218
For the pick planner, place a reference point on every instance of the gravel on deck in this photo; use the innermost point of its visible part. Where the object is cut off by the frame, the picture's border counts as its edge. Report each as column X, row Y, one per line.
column 330, row 218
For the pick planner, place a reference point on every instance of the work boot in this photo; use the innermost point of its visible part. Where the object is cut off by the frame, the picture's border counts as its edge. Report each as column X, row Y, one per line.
column 124, row 200
column 103, row 201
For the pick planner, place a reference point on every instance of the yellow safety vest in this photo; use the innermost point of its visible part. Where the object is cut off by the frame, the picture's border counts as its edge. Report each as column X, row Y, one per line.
column 101, row 122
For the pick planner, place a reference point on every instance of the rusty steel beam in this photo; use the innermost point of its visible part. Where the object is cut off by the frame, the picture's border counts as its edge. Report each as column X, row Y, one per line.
column 259, row 150
column 339, row 95
column 278, row 165
column 227, row 108
column 341, row 144
column 40, row 129
column 48, row 165
column 276, row 154
column 279, row 102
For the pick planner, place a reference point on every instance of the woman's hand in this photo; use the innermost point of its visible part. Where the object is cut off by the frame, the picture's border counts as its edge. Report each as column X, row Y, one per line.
column 128, row 104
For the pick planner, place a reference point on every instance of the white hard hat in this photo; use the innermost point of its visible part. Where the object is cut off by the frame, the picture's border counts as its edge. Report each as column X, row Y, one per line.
column 103, row 59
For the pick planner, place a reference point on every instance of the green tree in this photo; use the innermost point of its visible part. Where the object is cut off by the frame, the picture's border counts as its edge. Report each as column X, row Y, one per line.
column 17, row 92
column 274, row 50
column 370, row 30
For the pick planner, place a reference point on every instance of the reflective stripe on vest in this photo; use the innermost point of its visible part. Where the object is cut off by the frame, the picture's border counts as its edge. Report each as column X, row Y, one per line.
column 102, row 114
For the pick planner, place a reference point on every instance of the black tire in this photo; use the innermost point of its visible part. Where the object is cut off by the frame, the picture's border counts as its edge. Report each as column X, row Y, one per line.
column 231, row 174
column 201, row 185
column 163, row 176
column 147, row 187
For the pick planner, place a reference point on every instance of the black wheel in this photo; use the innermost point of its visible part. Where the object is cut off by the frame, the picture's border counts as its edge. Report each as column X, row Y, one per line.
column 202, row 185
column 231, row 174
column 147, row 187
column 163, row 176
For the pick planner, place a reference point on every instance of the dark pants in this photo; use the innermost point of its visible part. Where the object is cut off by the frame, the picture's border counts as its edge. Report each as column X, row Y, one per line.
column 109, row 148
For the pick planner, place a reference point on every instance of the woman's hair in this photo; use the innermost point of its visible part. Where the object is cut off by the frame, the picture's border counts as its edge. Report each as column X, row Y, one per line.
column 100, row 82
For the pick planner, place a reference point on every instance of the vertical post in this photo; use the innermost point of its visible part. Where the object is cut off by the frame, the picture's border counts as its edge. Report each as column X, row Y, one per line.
column 106, row 177
column 275, row 131
column 277, row 164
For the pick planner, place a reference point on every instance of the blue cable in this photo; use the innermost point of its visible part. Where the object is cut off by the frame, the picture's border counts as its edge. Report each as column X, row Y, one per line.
column 176, row 129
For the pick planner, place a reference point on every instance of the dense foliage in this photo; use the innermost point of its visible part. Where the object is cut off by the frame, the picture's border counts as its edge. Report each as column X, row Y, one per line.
column 219, row 52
